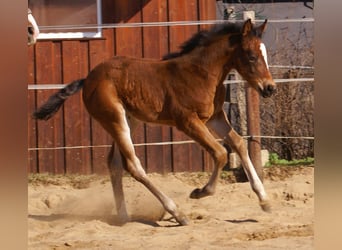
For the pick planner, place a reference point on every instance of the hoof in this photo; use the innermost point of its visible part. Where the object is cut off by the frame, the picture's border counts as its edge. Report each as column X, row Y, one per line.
column 200, row 193
column 265, row 206
column 182, row 220
column 196, row 194
column 119, row 221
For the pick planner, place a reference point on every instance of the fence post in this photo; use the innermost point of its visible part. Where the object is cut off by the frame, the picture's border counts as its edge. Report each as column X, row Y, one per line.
column 253, row 118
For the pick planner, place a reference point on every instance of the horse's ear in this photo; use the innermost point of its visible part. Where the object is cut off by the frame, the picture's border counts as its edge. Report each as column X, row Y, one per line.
column 260, row 30
column 247, row 27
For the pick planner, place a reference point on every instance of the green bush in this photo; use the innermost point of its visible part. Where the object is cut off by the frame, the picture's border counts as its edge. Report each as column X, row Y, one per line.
column 274, row 160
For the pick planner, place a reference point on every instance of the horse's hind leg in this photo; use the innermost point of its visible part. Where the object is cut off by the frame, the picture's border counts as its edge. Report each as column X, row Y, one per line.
column 222, row 128
column 116, row 165
column 116, row 171
column 116, row 124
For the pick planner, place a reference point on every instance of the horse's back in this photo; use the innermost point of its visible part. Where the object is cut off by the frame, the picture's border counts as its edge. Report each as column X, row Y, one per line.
column 152, row 90
column 127, row 81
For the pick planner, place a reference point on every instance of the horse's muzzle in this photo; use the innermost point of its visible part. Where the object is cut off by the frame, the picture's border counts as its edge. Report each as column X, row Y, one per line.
column 268, row 90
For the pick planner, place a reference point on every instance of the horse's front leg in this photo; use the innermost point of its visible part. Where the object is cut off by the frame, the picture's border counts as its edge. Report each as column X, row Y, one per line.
column 220, row 125
column 197, row 130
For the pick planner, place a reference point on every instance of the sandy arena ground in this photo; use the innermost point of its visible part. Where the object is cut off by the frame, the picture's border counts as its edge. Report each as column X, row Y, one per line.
column 76, row 212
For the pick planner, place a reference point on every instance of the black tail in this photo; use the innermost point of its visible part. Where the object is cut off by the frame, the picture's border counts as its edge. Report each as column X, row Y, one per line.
column 48, row 109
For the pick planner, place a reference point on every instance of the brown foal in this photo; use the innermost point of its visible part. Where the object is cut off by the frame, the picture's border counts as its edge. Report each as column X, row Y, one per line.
column 185, row 90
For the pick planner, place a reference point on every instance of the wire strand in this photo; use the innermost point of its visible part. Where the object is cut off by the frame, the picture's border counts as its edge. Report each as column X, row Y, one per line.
column 158, row 24
column 170, row 142
column 226, row 82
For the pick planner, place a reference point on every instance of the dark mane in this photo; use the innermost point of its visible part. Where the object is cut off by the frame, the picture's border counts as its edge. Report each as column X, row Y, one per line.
column 203, row 38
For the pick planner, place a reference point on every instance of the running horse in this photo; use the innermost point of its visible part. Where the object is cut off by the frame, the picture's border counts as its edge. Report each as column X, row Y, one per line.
column 184, row 90
column 32, row 29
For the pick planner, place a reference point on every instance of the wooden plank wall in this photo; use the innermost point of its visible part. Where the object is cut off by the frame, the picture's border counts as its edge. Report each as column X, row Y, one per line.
column 62, row 61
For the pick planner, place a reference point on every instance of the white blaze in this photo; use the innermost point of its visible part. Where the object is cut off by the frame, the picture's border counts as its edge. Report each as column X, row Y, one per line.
column 263, row 52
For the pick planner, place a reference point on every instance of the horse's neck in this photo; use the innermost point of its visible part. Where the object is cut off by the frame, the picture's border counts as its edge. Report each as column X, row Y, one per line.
column 216, row 62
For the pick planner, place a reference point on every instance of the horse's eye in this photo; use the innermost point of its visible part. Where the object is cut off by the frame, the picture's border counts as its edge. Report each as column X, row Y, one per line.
column 252, row 58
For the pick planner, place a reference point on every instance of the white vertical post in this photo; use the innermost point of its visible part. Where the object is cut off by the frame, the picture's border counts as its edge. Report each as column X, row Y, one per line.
column 249, row 14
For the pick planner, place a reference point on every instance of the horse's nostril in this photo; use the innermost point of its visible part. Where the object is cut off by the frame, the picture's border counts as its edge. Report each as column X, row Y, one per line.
column 270, row 88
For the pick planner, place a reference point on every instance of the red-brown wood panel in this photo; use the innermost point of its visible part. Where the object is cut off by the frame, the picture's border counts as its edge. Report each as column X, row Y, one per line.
column 50, row 133
column 196, row 164
column 107, row 11
column 186, row 157
column 128, row 42
column 98, row 53
column 155, row 39
column 207, row 11
column 181, row 153
column 76, row 120
column 109, row 49
column 31, row 123
column 155, row 45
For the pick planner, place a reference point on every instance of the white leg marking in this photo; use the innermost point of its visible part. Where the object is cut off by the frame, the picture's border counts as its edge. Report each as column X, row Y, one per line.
column 255, row 181
column 127, row 140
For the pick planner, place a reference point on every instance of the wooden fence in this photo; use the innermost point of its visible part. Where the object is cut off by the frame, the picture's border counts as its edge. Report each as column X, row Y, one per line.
column 53, row 145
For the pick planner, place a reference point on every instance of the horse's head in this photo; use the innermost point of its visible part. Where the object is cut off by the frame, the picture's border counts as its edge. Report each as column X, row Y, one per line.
column 251, row 60
column 32, row 29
